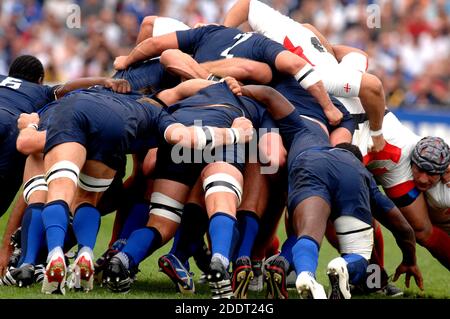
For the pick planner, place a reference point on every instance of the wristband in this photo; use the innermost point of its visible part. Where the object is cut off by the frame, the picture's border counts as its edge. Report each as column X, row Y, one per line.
column 307, row 76
column 209, row 134
column 236, row 135
column 214, row 78
column 376, row 133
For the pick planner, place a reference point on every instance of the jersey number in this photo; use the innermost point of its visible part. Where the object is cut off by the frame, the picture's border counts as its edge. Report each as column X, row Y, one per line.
column 240, row 38
column 12, row 83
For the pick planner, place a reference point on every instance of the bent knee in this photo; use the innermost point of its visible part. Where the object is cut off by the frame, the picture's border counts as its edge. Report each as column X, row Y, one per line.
column 148, row 21
column 371, row 84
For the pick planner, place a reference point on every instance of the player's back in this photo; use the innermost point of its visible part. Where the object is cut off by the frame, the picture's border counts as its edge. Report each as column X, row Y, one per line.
column 215, row 42
column 216, row 105
column 20, row 96
column 303, row 101
column 149, row 73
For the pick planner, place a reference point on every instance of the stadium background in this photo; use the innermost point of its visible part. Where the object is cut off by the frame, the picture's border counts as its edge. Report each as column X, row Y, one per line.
column 409, row 51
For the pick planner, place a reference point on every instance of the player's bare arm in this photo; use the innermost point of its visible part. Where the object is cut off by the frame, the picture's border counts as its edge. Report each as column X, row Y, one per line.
column 185, row 66
column 404, row 236
column 148, row 48
column 117, row 85
column 14, row 221
column 238, row 14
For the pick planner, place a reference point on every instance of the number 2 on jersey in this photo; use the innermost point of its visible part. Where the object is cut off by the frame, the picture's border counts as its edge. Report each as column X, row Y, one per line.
column 241, row 37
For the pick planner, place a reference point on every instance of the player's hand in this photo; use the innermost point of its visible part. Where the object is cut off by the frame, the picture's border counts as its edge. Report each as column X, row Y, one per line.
column 118, row 85
column 409, row 271
column 5, row 254
column 378, row 143
column 245, row 129
column 26, row 119
column 446, row 177
column 233, row 84
column 333, row 115
column 120, row 63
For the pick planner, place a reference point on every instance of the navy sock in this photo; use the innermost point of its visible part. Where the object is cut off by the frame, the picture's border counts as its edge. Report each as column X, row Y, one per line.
column 55, row 217
column 33, row 234
column 356, row 266
column 86, row 224
column 306, row 255
column 248, row 225
column 189, row 236
column 224, row 234
column 141, row 244
column 286, row 249
column 136, row 219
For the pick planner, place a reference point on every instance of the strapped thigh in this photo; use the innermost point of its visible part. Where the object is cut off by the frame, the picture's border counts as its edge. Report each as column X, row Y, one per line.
column 63, row 169
column 164, row 206
column 354, row 236
column 93, row 184
column 34, row 184
column 221, row 182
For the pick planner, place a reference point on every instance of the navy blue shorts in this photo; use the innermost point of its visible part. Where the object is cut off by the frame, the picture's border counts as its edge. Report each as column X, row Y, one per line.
column 185, row 165
column 328, row 175
column 101, row 132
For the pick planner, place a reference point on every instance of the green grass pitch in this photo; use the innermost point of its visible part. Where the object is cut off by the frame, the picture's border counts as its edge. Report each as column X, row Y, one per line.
column 152, row 284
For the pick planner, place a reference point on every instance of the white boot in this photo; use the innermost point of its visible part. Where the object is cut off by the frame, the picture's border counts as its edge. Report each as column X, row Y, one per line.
column 339, row 279
column 308, row 287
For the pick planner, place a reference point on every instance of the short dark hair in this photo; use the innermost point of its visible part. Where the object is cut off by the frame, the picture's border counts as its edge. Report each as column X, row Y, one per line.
column 28, row 68
column 352, row 148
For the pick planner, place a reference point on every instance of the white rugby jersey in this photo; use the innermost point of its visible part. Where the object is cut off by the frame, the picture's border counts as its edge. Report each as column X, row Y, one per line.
column 288, row 32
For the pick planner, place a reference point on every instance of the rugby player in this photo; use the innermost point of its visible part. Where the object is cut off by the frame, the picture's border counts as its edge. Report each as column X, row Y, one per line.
column 232, row 43
column 101, row 162
column 325, row 183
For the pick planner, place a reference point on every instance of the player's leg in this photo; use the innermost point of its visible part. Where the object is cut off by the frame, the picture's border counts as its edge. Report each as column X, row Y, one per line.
column 290, row 63
column 62, row 165
column 309, row 221
column 153, row 26
column 32, row 229
column 166, row 205
column 146, row 29
column 254, row 202
column 267, row 243
column 355, row 239
column 222, row 183
column 188, row 242
column 94, row 180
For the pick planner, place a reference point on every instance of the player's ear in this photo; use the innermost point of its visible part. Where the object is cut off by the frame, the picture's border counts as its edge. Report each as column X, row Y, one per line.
column 41, row 80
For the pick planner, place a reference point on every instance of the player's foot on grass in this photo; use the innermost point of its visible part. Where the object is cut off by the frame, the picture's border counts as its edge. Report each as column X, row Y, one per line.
column 308, row 287
column 242, row 275
column 55, row 275
column 339, row 279
column 257, row 282
column 101, row 263
column 219, row 281
column 117, row 276
column 82, row 273
column 170, row 265
column 275, row 277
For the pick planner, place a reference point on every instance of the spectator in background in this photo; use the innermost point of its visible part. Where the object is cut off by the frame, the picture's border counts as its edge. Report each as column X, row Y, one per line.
column 410, row 52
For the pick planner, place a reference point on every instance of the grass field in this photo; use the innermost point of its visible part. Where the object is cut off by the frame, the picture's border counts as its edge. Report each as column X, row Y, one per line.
column 152, row 284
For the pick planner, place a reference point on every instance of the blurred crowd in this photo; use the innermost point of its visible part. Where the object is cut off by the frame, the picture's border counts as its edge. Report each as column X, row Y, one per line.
column 408, row 40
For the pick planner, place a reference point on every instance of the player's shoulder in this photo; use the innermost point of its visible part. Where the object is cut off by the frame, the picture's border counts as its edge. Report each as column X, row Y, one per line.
column 438, row 196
